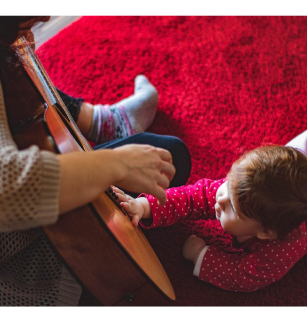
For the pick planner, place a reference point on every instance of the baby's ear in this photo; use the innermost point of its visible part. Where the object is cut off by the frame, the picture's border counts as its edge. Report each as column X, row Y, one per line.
column 266, row 234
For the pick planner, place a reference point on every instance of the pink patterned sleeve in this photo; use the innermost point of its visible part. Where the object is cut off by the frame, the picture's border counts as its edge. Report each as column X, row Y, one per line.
column 191, row 202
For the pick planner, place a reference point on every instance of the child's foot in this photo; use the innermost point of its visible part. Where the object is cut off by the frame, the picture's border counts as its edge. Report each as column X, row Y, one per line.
column 130, row 116
column 141, row 107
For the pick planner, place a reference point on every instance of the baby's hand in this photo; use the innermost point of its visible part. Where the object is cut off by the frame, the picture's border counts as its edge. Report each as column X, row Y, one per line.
column 192, row 248
column 133, row 207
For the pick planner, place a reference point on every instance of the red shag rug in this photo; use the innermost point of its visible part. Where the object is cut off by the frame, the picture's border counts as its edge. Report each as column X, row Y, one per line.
column 226, row 84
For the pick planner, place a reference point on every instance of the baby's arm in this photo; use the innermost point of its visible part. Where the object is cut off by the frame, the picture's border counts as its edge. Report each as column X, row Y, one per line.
column 192, row 202
column 244, row 272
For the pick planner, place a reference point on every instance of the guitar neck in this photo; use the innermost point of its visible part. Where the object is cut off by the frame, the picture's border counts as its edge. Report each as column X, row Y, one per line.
column 43, row 83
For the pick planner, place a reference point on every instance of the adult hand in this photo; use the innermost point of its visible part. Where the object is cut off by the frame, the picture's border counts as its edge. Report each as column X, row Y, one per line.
column 136, row 168
column 144, row 168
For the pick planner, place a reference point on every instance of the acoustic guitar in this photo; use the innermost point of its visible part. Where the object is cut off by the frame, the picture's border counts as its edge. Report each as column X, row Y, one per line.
column 107, row 255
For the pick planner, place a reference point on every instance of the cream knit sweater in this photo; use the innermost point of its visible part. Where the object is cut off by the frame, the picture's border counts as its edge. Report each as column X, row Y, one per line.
column 30, row 271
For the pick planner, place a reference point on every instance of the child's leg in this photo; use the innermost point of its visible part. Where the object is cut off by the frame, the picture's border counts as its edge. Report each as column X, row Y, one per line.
column 299, row 142
column 130, row 116
column 103, row 123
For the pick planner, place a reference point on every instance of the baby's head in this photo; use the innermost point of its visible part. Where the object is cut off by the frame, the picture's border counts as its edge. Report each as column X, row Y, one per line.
column 268, row 186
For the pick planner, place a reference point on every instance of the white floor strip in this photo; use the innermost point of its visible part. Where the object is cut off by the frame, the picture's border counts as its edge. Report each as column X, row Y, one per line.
column 45, row 31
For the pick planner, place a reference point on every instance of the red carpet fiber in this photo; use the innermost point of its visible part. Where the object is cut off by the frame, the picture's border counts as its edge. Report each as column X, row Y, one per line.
column 226, row 84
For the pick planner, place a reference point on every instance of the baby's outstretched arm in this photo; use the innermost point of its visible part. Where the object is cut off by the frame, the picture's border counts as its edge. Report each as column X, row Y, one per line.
column 137, row 209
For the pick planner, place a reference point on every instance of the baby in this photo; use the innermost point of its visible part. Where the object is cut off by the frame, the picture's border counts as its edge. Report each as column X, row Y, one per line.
column 262, row 203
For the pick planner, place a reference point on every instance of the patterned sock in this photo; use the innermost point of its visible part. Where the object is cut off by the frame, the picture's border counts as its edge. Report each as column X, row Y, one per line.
column 109, row 123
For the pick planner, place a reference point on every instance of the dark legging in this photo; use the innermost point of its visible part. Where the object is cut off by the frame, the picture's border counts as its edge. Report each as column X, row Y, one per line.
column 179, row 151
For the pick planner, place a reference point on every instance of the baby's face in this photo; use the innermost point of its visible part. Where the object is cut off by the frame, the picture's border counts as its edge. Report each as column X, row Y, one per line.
column 230, row 216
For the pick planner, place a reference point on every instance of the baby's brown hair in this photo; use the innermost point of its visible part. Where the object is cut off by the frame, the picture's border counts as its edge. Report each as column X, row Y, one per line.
column 270, row 184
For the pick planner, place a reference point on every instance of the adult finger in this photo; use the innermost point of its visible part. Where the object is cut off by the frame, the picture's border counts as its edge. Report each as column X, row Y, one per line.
column 159, row 193
column 165, row 155
column 163, row 181
column 168, row 169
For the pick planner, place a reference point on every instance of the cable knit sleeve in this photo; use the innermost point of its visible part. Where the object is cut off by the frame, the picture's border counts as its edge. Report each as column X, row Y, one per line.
column 29, row 182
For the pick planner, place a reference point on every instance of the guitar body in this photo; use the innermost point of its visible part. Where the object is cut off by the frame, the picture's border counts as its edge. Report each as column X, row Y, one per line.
column 106, row 254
